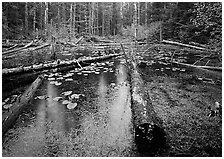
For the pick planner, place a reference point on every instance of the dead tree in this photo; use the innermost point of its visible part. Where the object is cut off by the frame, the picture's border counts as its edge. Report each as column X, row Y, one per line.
column 9, row 118
column 149, row 132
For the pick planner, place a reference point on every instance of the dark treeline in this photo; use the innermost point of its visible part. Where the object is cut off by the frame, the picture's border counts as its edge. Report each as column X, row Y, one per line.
column 182, row 21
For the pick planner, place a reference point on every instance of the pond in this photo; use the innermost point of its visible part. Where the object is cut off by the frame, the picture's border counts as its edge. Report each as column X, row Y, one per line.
column 83, row 112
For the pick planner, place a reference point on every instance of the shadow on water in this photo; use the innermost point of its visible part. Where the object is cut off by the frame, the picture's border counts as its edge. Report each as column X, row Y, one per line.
column 100, row 124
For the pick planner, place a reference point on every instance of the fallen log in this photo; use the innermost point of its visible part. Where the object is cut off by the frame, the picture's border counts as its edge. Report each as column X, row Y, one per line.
column 94, row 39
column 15, row 41
column 149, row 133
column 19, row 49
column 202, row 67
column 12, row 47
column 185, row 45
column 207, row 71
column 211, row 68
column 55, row 64
column 39, row 47
column 9, row 117
column 80, row 39
column 70, row 43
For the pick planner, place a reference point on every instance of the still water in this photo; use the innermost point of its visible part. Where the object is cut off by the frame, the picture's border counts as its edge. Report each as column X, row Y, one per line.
column 83, row 112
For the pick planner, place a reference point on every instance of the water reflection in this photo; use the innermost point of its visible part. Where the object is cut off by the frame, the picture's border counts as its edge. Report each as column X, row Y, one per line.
column 55, row 110
column 103, row 119
column 107, row 132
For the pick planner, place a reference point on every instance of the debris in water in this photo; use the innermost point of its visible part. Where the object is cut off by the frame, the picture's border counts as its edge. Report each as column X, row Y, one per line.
column 57, row 98
column 51, row 79
column 60, row 78
column 51, row 75
column 53, row 82
column 41, row 97
column 183, row 70
column 66, row 102
column 75, row 96
column 67, row 93
column 69, row 79
column 58, row 83
column 7, row 106
column 71, row 105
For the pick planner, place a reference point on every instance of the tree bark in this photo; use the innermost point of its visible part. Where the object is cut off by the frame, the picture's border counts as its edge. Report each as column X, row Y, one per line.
column 149, row 132
column 146, row 14
column 34, row 18
column 46, row 18
column 135, row 20
column 26, row 19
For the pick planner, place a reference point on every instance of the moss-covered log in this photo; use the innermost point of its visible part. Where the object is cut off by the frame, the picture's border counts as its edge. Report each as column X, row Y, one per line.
column 149, row 133
column 9, row 117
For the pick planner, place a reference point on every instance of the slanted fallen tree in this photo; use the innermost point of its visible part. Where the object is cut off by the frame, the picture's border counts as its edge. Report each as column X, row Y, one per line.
column 185, row 45
column 149, row 133
column 9, row 117
column 18, row 49
column 71, row 44
column 52, row 65
column 202, row 67
column 94, row 39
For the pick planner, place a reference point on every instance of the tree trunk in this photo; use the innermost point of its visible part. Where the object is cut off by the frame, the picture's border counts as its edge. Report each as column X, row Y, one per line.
column 34, row 19
column 97, row 18
column 71, row 19
column 9, row 118
column 26, row 19
column 149, row 132
column 18, row 49
column 185, row 45
column 146, row 14
column 41, row 16
column 74, row 15
column 121, row 18
column 56, row 64
column 46, row 19
column 103, row 21
column 139, row 13
column 135, row 20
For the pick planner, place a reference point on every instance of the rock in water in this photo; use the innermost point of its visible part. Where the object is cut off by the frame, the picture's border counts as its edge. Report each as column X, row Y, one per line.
column 149, row 138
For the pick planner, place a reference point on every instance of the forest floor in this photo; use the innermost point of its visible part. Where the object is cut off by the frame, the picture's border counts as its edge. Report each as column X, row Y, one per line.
column 180, row 96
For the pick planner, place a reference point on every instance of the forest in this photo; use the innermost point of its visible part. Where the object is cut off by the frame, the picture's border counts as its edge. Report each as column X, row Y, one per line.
column 112, row 79
column 184, row 22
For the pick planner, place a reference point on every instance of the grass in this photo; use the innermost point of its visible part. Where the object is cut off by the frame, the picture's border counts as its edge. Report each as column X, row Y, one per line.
column 183, row 107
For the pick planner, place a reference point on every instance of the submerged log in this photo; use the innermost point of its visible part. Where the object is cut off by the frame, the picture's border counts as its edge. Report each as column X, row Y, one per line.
column 9, row 118
column 55, row 64
column 149, row 133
